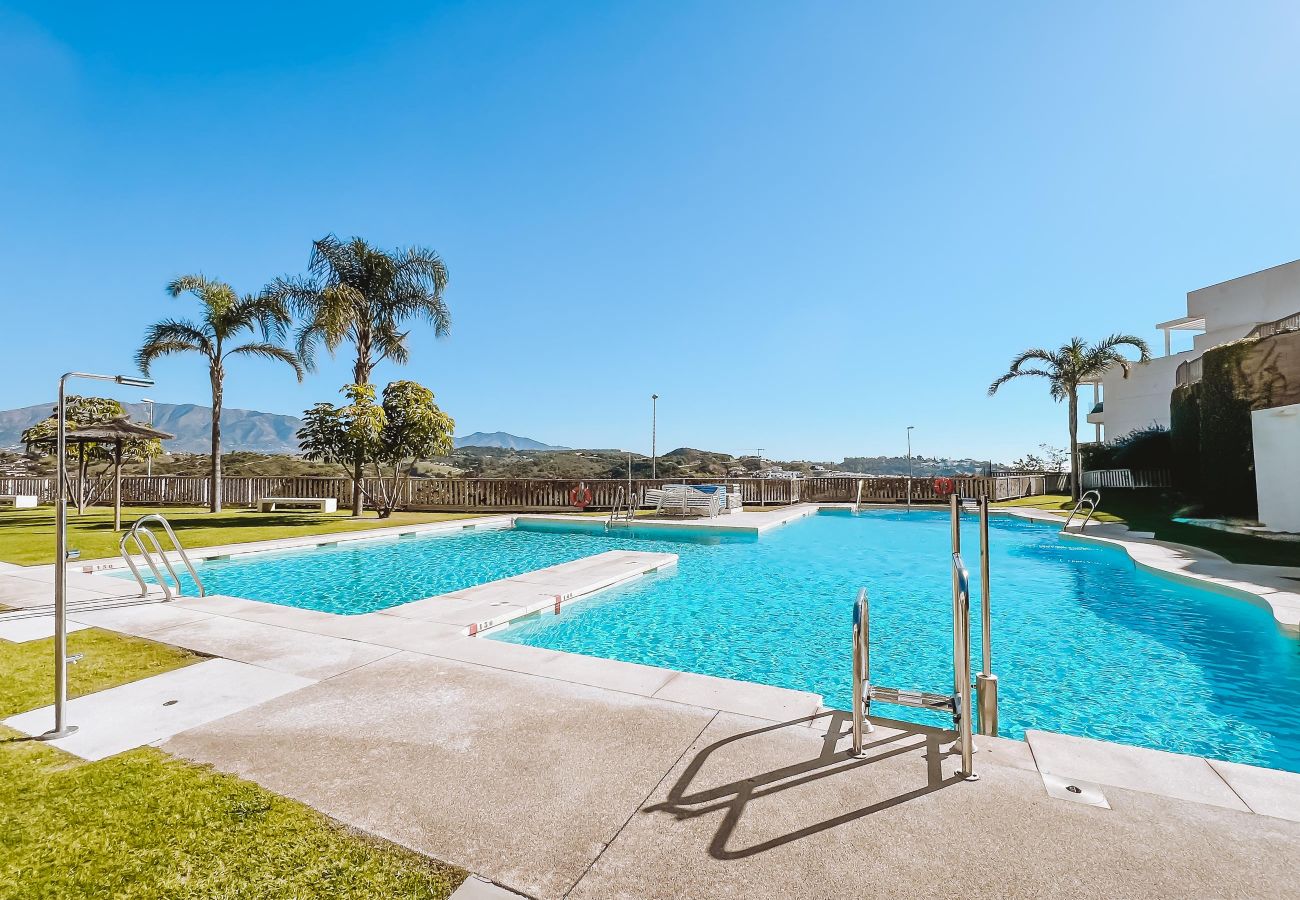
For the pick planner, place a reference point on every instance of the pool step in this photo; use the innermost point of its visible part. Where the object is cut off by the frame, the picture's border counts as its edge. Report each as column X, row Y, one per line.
column 917, row 699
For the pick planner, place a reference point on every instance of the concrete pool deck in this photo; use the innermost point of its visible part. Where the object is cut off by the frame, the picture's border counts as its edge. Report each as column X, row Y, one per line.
column 562, row 775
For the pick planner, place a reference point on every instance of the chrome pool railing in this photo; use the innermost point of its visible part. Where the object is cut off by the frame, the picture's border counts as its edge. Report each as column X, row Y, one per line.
column 956, row 705
column 1091, row 498
column 152, row 550
column 986, row 683
column 624, row 509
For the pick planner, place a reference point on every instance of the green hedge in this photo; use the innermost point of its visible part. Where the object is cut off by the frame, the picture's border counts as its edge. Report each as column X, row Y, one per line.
column 1185, row 438
column 1227, row 451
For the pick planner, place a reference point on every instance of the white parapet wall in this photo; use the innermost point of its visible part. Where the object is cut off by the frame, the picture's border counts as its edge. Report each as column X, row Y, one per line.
column 1276, row 435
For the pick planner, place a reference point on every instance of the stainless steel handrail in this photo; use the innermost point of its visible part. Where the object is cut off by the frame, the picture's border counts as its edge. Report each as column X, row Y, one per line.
column 961, row 716
column 958, row 704
column 986, row 683
column 861, row 670
column 618, row 501
column 622, row 501
column 1092, row 498
column 857, row 503
column 133, row 534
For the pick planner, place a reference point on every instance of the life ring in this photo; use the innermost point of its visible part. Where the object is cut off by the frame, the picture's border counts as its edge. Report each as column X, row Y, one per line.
column 943, row 486
column 580, row 496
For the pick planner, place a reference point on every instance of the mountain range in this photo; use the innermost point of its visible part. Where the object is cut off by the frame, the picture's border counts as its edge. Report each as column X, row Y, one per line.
column 241, row 429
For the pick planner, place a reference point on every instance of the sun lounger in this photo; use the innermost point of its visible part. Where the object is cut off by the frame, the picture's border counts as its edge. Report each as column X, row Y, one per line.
column 687, row 499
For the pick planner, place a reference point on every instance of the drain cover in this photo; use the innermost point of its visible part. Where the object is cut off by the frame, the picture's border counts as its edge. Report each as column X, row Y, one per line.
column 170, row 702
column 1074, row 790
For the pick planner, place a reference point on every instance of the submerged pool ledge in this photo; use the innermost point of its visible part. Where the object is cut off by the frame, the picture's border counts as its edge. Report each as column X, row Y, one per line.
column 477, row 609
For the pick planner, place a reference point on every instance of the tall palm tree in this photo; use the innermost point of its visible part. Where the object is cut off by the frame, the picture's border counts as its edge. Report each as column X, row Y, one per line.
column 225, row 316
column 357, row 293
column 1065, row 369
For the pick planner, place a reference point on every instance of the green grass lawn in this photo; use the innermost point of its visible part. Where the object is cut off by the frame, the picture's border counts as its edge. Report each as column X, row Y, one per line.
column 108, row 659
column 145, row 825
column 1153, row 510
column 27, row 535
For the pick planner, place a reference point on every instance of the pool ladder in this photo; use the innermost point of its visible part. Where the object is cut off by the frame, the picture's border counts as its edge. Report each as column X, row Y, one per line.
column 1091, row 498
column 958, row 703
column 147, row 544
column 624, row 510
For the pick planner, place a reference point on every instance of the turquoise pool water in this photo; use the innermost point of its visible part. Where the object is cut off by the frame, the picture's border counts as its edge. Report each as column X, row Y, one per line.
column 1084, row 643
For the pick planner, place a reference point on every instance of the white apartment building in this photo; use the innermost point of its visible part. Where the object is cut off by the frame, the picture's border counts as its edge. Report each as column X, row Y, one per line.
column 1218, row 314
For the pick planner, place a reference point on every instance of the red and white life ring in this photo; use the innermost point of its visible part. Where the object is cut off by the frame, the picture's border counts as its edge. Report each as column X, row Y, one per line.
column 943, row 486
column 580, row 496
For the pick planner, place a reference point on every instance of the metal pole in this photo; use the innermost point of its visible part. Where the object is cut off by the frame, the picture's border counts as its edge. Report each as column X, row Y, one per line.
column 954, row 506
column 861, row 671
column 61, row 728
column 909, row 467
column 654, row 426
column 986, row 683
column 148, row 461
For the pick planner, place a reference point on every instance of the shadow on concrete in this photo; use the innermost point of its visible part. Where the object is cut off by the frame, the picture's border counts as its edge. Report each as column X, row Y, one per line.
column 734, row 797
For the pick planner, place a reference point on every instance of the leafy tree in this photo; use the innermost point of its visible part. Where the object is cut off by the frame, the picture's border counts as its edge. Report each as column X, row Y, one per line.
column 1065, row 369
column 356, row 293
column 388, row 437
column 87, row 488
column 225, row 316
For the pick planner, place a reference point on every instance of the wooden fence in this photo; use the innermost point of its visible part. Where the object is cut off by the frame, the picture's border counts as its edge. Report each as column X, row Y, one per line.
column 520, row 494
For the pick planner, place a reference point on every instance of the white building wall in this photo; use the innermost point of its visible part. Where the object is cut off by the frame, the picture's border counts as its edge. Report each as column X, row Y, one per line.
column 1142, row 399
column 1231, row 309
column 1276, row 434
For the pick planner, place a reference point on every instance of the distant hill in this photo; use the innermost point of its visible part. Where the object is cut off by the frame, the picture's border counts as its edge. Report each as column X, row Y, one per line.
column 920, row 466
column 241, row 429
column 503, row 441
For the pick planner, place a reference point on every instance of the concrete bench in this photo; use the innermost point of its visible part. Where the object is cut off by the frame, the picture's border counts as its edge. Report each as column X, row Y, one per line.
column 316, row 504
column 18, row 501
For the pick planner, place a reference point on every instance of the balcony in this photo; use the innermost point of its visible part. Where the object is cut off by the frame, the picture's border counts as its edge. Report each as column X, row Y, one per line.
column 1095, row 416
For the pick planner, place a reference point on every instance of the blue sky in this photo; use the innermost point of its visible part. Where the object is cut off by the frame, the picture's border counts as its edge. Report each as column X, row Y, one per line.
column 806, row 226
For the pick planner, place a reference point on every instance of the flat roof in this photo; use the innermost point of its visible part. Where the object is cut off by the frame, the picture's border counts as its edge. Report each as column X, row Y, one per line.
column 1186, row 323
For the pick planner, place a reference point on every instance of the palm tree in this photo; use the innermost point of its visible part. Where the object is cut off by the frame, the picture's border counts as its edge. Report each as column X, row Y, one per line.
column 358, row 293
column 225, row 315
column 1065, row 369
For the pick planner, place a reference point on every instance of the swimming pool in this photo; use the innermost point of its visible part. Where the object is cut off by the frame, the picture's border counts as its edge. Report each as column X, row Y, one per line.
column 1084, row 642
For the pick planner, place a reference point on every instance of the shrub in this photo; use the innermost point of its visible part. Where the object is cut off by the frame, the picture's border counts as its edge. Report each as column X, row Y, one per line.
column 1185, row 438
column 1227, row 457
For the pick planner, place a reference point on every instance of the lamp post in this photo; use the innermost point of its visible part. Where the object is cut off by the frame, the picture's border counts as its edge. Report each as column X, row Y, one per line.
column 61, row 728
column 654, row 425
column 909, row 467
column 148, row 460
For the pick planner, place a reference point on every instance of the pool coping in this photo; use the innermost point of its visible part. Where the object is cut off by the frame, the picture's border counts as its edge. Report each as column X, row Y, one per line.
column 1258, row 789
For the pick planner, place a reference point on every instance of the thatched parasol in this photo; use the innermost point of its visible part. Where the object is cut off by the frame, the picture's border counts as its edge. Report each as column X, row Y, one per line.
column 116, row 431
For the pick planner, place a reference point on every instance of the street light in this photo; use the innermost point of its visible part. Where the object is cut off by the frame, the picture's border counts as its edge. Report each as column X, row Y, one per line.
column 62, row 729
column 909, row 467
column 654, row 424
column 148, row 460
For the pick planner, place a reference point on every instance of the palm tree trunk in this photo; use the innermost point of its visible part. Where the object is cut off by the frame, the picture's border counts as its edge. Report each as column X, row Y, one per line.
column 1075, row 475
column 214, row 483
column 360, row 375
